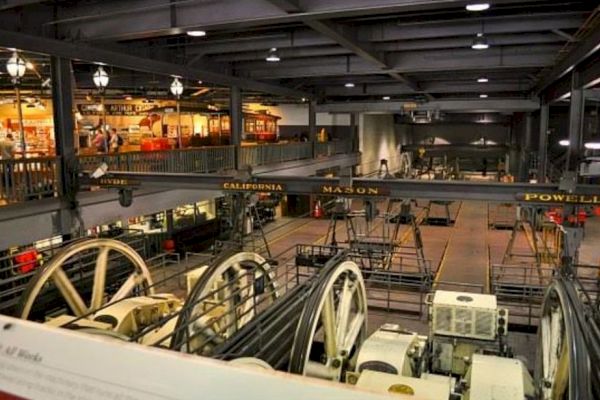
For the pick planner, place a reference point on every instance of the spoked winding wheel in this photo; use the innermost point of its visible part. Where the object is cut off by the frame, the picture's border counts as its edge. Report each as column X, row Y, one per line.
column 64, row 272
column 223, row 301
column 563, row 364
column 332, row 326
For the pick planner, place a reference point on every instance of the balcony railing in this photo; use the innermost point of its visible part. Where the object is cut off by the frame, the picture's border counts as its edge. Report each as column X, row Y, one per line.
column 264, row 154
column 203, row 160
column 34, row 178
column 328, row 149
column 28, row 179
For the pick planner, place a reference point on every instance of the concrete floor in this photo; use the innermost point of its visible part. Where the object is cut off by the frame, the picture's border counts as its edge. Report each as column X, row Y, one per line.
column 460, row 256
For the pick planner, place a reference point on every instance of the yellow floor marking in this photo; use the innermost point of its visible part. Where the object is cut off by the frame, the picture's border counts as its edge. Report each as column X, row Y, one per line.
column 443, row 260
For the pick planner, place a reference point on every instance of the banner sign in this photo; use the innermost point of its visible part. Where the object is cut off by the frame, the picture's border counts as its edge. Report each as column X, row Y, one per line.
column 131, row 110
column 115, row 182
column 353, row 190
column 559, row 198
column 253, row 187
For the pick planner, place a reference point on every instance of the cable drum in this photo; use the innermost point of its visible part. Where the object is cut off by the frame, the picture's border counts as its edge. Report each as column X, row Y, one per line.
column 222, row 301
column 563, row 368
column 335, row 317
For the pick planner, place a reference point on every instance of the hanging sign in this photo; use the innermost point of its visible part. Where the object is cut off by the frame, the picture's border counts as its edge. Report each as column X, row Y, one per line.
column 253, row 187
column 559, row 198
column 353, row 190
column 115, row 182
column 116, row 109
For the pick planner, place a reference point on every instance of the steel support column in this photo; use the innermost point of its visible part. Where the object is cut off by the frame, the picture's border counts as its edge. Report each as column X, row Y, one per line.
column 575, row 123
column 543, row 143
column 312, row 124
column 354, row 131
column 62, row 105
column 526, row 150
column 64, row 136
column 513, row 155
column 235, row 123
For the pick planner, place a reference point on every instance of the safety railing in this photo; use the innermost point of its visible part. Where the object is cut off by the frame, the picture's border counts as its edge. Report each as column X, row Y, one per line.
column 264, row 154
column 204, row 160
column 328, row 149
column 28, row 179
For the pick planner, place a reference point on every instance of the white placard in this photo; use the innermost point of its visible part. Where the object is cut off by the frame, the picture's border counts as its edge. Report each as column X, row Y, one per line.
column 40, row 362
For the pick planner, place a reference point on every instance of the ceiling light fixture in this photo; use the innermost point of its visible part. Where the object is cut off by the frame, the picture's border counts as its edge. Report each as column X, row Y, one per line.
column 177, row 87
column 199, row 82
column 196, row 33
column 386, row 97
column 483, row 96
column 480, row 42
column 483, row 80
column 564, row 142
column 273, row 56
column 100, row 78
column 593, row 145
column 477, row 6
column 16, row 67
column 128, row 98
column 349, row 85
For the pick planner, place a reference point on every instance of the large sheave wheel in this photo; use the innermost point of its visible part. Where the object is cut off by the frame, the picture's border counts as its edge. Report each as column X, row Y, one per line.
column 56, row 271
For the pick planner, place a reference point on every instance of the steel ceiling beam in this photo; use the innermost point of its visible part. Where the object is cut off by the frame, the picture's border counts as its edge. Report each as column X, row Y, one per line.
column 582, row 50
column 76, row 51
column 461, row 106
column 343, row 36
column 390, row 89
column 8, row 4
column 528, row 23
column 408, row 62
column 346, row 38
column 289, row 6
column 113, row 20
column 300, row 39
column 396, row 188
column 250, row 52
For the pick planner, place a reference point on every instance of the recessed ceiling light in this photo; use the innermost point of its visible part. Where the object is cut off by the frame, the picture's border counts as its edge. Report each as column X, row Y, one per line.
column 592, row 145
column 199, row 82
column 349, row 85
column 196, row 33
column 478, row 6
column 564, row 142
column 483, row 80
column 483, row 96
column 386, row 97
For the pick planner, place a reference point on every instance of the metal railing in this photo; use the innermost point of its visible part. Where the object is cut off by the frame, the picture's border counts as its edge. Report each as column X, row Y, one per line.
column 328, row 149
column 28, row 179
column 204, row 160
column 264, row 154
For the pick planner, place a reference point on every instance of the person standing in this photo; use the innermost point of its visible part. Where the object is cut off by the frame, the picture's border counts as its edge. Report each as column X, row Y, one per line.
column 114, row 141
column 7, row 152
column 7, row 147
column 100, row 142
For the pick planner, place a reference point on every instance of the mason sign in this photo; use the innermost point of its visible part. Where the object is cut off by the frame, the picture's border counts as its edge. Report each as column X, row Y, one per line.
column 353, row 190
